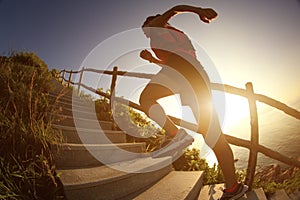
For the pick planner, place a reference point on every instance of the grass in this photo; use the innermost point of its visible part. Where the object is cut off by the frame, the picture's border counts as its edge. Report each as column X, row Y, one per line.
column 27, row 170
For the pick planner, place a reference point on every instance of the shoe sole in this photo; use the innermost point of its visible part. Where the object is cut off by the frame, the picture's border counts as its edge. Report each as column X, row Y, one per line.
column 245, row 189
column 170, row 150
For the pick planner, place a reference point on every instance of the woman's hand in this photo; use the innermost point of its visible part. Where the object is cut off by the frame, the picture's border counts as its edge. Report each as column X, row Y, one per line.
column 207, row 14
column 145, row 54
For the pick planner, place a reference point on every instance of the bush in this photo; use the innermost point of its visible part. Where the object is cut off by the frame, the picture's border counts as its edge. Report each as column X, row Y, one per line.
column 191, row 161
column 26, row 165
column 138, row 126
column 102, row 108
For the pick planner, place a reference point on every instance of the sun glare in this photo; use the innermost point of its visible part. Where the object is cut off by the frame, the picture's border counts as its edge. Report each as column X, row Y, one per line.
column 236, row 108
column 171, row 105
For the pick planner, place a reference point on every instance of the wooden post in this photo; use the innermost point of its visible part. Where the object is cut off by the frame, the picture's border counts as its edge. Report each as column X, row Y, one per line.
column 112, row 93
column 70, row 78
column 63, row 76
column 80, row 79
column 254, row 136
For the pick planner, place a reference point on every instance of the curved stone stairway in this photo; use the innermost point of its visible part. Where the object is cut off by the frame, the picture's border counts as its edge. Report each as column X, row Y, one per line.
column 137, row 176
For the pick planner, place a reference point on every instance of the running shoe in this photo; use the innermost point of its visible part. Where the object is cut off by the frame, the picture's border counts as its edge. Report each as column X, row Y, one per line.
column 239, row 192
column 178, row 143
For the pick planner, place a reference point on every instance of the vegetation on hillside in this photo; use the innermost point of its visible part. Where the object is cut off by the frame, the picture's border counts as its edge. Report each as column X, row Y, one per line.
column 26, row 165
column 140, row 127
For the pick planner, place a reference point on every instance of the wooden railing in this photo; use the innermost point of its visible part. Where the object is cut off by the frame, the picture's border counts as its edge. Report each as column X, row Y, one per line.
column 253, row 145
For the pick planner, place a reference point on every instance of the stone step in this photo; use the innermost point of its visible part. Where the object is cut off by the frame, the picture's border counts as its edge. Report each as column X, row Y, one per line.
column 87, row 123
column 109, row 182
column 88, row 155
column 177, row 185
column 214, row 192
column 82, row 123
column 75, row 102
column 295, row 195
column 58, row 86
column 68, row 98
column 256, row 194
column 279, row 195
column 87, row 111
column 83, row 112
column 105, row 125
column 70, row 134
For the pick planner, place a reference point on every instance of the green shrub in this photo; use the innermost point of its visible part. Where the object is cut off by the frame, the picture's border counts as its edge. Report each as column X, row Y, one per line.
column 26, row 165
column 102, row 108
column 138, row 126
column 191, row 161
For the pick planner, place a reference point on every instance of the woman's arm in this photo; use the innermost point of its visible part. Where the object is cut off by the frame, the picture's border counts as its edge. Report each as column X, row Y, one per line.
column 205, row 14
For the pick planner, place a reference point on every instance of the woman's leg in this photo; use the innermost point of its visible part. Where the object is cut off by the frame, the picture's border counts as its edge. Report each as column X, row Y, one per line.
column 148, row 102
column 209, row 126
column 225, row 158
column 204, row 111
column 212, row 132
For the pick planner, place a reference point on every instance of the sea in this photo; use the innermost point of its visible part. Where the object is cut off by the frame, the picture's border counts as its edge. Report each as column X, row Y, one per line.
column 277, row 131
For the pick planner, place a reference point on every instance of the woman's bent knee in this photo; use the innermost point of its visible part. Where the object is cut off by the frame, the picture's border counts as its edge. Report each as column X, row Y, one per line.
column 146, row 103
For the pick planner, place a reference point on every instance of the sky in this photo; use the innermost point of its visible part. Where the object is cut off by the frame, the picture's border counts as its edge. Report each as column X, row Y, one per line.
column 250, row 41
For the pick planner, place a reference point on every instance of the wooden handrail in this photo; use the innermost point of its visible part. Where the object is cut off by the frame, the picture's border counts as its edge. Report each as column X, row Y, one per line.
column 253, row 145
column 214, row 86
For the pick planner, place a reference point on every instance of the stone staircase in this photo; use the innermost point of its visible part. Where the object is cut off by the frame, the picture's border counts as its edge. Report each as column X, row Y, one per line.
column 95, row 162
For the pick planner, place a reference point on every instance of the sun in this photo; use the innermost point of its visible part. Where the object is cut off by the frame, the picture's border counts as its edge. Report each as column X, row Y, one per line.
column 236, row 108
